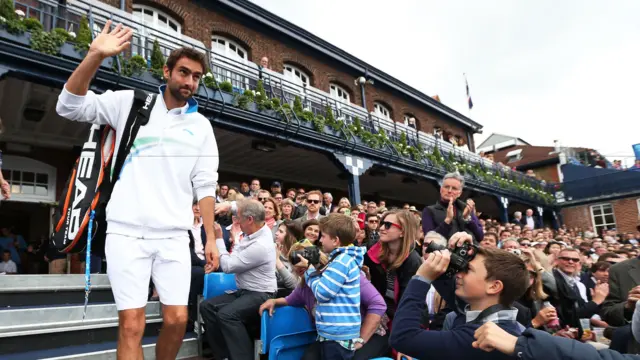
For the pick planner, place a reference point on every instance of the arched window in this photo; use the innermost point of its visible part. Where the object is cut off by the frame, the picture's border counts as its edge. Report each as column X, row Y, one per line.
column 153, row 19
column 381, row 111
column 410, row 121
column 229, row 48
column 30, row 180
column 339, row 93
column 296, row 75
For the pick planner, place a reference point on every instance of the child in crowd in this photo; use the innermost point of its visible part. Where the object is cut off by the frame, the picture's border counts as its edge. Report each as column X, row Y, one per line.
column 336, row 288
column 483, row 292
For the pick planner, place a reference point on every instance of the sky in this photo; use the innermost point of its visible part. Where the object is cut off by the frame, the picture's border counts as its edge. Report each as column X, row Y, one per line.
column 540, row 70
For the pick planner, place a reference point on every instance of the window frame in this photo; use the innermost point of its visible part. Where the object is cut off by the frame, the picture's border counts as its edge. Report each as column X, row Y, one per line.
column 378, row 105
column 289, row 74
column 157, row 12
column 235, row 56
column 14, row 163
column 337, row 97
column 596, row 227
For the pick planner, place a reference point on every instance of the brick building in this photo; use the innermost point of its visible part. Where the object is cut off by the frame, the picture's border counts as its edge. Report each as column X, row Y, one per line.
column 621, row 214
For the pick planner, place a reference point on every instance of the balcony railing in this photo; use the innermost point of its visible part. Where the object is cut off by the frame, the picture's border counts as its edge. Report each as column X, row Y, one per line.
column 615, row 182
column 245, row 75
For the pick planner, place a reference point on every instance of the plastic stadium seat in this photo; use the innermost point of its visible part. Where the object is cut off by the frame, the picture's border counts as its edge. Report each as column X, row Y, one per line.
column 286, row 334
column 382, row 358
column 216, row 284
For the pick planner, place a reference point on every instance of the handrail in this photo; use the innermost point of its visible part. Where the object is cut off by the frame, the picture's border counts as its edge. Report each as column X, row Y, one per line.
column 246, row 74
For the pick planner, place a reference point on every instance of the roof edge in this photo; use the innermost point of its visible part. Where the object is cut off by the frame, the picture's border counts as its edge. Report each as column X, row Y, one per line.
column 267, row 18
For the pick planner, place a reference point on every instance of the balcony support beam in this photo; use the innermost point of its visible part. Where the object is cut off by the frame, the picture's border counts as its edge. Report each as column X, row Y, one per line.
column 354, row 167
column 503, row 204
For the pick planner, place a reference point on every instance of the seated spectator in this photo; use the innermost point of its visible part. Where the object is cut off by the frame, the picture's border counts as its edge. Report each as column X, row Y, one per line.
column 311, row 231
column 490, row 240
column 337, row 286
column 287, row 234
column 7, row 266
column 567, row 296
column 392, row 261
column 624, row 292
column 253, row 263
column 372, row 309
column 494, row 280
column 534, row 296
column 534, row 344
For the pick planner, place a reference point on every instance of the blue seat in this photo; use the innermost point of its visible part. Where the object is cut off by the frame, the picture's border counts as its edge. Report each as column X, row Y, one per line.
column 287, row 333
column 215, row 284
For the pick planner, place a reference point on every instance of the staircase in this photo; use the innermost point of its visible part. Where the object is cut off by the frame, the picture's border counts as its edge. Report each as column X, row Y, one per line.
column 41, row 318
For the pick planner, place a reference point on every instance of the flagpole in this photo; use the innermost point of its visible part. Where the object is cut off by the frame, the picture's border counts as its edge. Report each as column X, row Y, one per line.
column 466, row 83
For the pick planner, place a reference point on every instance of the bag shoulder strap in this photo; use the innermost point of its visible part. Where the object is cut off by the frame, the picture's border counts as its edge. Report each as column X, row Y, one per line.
column 490, row 311
column 138, row 116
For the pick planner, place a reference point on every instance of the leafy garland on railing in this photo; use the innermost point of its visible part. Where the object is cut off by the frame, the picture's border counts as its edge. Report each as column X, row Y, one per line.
column 380, row 139
column 50, row 43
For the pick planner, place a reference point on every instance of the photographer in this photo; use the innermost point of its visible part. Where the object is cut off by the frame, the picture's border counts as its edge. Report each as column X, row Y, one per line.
column 485, row 285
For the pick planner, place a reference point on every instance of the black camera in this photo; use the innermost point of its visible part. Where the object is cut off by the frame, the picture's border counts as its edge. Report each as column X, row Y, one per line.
column 460, row 256
column 311, row 253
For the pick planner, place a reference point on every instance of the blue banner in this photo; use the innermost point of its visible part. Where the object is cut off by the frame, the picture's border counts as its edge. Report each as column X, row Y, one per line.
column 636, row 150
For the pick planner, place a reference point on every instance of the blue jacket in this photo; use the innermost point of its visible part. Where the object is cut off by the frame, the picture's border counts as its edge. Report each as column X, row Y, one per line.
column 536, row 344
column 337, row 293
column 409, row 338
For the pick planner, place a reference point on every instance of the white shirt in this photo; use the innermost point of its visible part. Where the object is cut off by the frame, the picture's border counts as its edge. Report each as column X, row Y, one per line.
column 530, row 222
column 173, row 155
column 196, row 230
column 8, row 267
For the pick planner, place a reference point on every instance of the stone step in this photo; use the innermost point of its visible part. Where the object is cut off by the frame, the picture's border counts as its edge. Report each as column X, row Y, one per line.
column 106, row 351
column 37, row 290
column 46, row 319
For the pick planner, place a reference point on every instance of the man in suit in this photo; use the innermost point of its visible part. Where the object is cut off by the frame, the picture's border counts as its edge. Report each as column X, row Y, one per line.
column 197, row 243
column 617, row 310
column 597, row 274
column 313, row 202
column 327, row 207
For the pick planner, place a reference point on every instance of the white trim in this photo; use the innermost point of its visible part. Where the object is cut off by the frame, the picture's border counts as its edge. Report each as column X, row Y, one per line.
column 238, row 52
column 296, row 75
column 602, row 215
column 381, row 111
column 25, row 164
column 338, row 93
column 638, row 203
column 155, row 23
column 514, row 152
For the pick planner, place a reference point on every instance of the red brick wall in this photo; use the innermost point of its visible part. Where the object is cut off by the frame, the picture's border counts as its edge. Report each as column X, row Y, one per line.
column 625, row 212
column 202, row 23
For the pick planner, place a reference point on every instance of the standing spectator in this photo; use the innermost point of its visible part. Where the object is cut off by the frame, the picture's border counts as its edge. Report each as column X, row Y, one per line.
column 450, row 215
column 7, row 266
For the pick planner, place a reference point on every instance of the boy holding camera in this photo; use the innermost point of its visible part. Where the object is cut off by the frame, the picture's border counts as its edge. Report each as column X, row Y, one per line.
column 336, row 288
column 482, row 290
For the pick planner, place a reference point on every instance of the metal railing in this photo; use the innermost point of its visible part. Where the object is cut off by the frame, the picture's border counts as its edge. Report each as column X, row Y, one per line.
column 245, row 75
column 619, row 182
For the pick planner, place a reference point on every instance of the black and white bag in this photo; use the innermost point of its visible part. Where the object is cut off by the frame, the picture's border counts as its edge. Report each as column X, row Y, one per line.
column 91, row 181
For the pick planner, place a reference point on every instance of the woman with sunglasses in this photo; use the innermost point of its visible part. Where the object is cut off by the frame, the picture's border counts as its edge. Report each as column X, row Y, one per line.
column 534, row 297
column 392, row 261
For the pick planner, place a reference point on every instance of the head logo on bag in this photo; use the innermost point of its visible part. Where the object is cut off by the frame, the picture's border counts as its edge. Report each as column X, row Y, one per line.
column 90, row 185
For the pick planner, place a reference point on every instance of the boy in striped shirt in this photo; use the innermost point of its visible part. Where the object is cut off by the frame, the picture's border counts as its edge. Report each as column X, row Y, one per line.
column 336, row 288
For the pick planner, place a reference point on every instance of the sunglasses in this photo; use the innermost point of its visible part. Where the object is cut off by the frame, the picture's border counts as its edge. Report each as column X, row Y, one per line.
column 388, row 224
column 568, row 259
column 313, row 201
column 263, row 199
column 373, row 221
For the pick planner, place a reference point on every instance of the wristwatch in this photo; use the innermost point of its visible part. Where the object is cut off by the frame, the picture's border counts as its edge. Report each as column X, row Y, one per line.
column 359, row 341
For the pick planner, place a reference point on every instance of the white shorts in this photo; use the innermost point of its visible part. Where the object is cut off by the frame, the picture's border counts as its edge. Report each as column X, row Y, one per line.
column 131, row 261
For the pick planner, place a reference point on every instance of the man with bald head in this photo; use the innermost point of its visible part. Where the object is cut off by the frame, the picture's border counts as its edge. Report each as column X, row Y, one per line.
column 253, row 261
